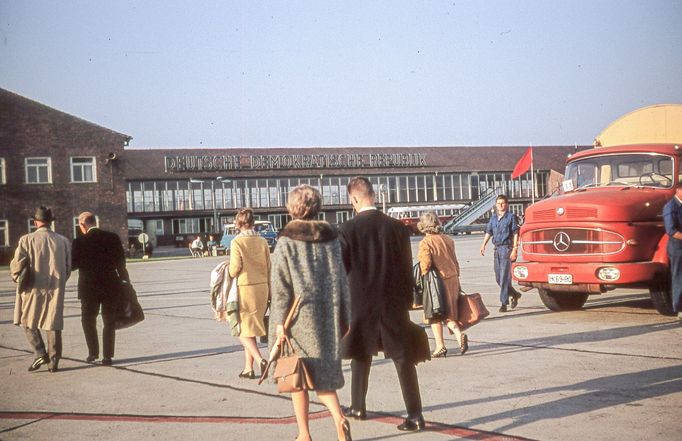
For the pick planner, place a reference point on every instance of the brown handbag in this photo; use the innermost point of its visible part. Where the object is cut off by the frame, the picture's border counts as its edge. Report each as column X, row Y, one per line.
column 470, row 310
column 291, row 374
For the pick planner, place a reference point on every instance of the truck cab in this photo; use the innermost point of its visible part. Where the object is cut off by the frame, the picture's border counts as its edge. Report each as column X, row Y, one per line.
column 606, row 230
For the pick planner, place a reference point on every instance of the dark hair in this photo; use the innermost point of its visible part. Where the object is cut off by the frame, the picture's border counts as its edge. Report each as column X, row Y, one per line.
column 361, row 186
column 244, row 217
column 502, row 198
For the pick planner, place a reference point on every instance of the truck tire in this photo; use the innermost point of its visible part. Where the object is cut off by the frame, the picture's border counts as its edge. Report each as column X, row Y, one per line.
column 562, row 301
column 661, row 295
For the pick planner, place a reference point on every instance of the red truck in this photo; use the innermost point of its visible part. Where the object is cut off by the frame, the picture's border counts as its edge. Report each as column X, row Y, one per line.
column 606, row 230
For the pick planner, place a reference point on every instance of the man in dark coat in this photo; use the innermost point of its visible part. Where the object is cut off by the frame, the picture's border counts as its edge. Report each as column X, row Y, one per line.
column 378, row 259
column 100, row 259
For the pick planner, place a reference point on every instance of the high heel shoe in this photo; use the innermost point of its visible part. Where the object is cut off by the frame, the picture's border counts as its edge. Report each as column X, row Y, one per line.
column 441, row 353
column 263, row 365
column 249, row 375
column 464, row 346
column 345, row 426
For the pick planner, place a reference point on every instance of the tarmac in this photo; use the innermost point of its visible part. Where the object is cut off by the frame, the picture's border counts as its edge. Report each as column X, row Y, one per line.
column 610, row 372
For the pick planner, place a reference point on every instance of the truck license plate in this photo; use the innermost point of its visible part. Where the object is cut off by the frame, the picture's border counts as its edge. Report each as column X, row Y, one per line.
column 560, row 279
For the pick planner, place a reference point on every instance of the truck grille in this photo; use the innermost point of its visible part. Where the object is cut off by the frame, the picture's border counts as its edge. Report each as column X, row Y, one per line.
column 571, row 241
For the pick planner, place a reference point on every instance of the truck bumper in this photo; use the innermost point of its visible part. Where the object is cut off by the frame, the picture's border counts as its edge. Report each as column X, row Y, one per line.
column 585, row 275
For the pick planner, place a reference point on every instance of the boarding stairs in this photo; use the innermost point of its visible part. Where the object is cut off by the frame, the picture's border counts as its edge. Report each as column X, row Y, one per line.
column 472, row 212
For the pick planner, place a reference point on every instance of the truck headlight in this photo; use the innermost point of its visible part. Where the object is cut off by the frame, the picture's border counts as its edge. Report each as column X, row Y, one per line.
column 608, row 274
column 520, row 272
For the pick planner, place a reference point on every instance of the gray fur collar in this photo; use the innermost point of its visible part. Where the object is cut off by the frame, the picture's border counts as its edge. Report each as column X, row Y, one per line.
column 309, row 231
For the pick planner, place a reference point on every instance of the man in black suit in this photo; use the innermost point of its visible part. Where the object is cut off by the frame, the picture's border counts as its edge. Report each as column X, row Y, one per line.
column 100, row 259
column 378, row 259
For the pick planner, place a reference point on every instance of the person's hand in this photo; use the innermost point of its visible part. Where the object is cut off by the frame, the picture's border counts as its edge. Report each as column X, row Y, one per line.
column 482, row 250
column 513, row 254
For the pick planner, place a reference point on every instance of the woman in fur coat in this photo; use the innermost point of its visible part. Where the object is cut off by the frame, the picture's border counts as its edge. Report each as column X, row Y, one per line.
column 307, row 263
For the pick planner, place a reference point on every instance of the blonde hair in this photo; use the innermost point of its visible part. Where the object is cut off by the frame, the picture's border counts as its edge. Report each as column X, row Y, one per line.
column 243, row 218
column 304, row 202
column 429, row 223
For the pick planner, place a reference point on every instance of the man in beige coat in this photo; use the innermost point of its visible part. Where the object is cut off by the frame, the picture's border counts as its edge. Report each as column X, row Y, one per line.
column 41, row 267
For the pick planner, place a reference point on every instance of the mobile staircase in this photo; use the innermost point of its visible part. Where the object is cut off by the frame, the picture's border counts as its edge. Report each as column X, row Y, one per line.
column 462, row 223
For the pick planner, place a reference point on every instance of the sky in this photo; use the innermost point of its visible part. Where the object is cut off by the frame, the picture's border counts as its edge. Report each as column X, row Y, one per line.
column 316, row 73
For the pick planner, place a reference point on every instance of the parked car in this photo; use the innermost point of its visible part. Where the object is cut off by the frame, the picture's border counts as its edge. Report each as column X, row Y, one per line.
column 263, row 228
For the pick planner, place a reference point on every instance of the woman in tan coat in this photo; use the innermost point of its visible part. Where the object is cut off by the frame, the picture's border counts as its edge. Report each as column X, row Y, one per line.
column 250, row 265
column 437, row 251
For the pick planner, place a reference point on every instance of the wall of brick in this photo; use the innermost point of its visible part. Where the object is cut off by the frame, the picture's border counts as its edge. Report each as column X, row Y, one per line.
column 30, row 129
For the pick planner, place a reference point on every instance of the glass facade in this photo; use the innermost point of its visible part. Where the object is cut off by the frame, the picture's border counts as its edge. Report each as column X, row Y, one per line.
column 206, row 195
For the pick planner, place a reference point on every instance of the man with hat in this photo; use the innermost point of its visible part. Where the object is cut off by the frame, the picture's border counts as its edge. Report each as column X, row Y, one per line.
column 100, row 260
column 41, row 267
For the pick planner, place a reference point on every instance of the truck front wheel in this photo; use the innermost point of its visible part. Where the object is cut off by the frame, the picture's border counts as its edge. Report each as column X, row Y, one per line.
column 562, row 301
column 661, row 295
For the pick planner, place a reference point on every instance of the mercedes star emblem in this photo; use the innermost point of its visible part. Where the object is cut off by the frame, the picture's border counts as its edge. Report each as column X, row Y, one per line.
column 561, row 242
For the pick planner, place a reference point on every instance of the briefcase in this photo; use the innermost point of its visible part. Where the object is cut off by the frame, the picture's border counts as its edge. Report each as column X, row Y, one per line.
column 470, row 310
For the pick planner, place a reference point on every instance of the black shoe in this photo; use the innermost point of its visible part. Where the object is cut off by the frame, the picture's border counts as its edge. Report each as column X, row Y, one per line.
column 38, row 362
column 250, row 375
column 53, row 368
column 357, row 414
column 91, row 358
column 515, row 299
column 106, row 361
column 263, row 365
column 441, row 353
column 413, row 424
column 503, row 308
column 464, row 347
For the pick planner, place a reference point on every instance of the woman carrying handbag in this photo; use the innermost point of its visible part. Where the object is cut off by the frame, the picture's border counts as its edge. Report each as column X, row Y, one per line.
column 307, row 264
column 437, row 252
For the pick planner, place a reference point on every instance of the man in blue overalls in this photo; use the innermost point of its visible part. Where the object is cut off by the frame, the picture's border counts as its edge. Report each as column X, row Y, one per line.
column 504, row 231
column 672, row 217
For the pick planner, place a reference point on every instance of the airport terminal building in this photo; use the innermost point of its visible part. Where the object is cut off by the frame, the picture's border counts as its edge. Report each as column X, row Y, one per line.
column 48, row 157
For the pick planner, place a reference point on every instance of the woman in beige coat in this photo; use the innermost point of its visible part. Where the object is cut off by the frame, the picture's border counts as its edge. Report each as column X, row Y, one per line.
column 438, row 250
column 250, row 265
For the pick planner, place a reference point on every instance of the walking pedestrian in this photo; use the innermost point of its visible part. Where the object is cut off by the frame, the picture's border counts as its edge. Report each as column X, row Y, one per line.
column 41, row 267
column 250, row 270
column 378, row 259
column 99, row 257
column 672, row 218
column 437, row 252
column 307, row 263
column 503, row 229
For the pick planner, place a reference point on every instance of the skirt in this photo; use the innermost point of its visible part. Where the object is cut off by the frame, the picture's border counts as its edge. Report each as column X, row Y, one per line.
column 253, row 301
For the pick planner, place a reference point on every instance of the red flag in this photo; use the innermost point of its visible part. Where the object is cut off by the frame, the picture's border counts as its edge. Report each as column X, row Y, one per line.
column 524, row 164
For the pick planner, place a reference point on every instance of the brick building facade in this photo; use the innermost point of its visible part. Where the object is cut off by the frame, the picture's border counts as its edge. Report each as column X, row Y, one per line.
column 51, row 158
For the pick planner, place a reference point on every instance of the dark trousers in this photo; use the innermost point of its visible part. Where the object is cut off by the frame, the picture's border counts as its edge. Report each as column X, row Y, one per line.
column 407, row 375
column 503, row 272
column 676, row 274
column 90, row 307
column 54, row 344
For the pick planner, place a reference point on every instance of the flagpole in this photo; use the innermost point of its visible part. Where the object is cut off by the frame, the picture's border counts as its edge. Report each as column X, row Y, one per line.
column 532, row 175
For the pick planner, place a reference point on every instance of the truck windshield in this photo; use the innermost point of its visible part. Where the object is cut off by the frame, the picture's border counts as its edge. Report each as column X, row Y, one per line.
column 627, row 169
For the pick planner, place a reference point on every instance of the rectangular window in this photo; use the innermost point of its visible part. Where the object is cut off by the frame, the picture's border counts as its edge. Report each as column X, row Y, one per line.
column 83, row 169
column 4, row 234
column 3, row 172
column 342, row 216
column 38, row 170
column 158, row 227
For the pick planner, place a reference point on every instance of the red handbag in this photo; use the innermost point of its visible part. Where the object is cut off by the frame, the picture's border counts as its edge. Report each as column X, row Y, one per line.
column 470, row 310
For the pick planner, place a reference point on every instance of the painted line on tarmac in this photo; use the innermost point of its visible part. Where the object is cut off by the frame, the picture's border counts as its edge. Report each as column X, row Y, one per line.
column 439, row 428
